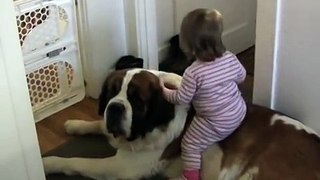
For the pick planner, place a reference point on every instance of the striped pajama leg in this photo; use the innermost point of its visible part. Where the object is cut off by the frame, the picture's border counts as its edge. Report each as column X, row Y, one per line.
column 198, row 137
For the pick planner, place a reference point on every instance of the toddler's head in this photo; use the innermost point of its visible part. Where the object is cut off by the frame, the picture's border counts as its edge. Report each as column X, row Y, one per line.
column 200, row 33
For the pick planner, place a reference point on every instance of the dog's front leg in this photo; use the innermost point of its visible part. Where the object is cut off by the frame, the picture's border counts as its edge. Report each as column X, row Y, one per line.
column 81, row 127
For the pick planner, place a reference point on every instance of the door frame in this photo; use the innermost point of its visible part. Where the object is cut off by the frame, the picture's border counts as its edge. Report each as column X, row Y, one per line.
column 141, row 25
column 267, row 38
column 20, row 157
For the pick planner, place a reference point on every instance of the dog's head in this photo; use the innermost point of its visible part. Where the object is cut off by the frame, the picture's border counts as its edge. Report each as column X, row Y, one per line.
column 132, row 104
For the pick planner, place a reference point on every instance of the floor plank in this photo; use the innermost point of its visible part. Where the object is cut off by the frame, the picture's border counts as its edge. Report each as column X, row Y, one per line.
column 50, row 131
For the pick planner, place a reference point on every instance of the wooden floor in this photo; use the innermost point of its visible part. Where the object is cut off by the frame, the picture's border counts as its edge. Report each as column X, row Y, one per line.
column 50, row 130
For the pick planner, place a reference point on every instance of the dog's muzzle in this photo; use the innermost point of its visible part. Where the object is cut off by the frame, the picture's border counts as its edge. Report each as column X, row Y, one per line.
column 114, row 116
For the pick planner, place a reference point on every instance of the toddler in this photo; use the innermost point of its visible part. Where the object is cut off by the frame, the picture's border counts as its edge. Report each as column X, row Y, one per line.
column 210, row 84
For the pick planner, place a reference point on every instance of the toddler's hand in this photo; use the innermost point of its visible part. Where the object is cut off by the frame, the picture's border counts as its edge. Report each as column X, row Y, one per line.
column 165, row 90
column 161, row 83
column 163, row 87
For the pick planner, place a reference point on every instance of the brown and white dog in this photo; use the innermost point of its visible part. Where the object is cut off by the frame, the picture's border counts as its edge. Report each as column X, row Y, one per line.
column 146, row 130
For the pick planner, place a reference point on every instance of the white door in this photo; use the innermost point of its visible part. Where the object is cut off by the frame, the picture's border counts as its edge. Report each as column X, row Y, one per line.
column 239, row 19
column 287, row 59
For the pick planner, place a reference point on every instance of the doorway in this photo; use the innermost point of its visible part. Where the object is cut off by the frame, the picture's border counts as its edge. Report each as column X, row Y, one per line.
column 238, row 36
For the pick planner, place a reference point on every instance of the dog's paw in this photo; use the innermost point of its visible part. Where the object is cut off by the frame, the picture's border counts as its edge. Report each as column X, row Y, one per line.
column 75, row 126
column 52, row 164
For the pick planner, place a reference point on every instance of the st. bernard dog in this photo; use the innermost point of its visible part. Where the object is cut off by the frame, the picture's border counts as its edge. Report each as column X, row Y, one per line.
column 146, row 130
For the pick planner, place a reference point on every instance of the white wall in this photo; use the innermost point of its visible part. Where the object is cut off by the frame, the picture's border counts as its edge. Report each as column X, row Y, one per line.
column 110, row 29
column 165, row 24
column 297, row 83
column 103, row 40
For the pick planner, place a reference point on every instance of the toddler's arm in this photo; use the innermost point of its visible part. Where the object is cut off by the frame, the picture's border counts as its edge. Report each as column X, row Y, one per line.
column 185, row 93
column 242, row 73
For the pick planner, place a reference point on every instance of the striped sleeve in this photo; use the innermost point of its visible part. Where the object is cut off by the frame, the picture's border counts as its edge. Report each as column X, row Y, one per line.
column 186, row 91
column 241, row 75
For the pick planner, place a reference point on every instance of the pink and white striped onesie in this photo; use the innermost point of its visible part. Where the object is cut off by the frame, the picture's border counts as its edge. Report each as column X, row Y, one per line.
column 212, row 87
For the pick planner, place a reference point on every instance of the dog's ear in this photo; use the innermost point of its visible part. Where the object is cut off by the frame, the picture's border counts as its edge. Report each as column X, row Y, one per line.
column 174, row 41
column 103, row 98
column 128, row 61
column 161, row 111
